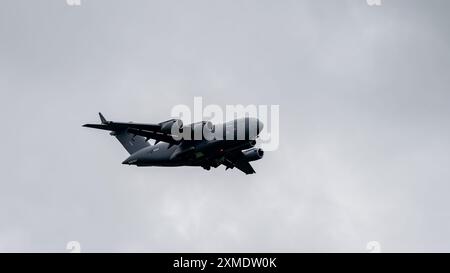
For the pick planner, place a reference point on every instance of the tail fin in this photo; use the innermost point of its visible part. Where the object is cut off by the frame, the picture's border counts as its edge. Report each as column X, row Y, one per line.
column 130, row 142
column 102, row 118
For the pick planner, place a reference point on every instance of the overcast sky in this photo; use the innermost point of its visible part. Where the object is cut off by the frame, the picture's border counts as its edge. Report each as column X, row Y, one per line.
column 364, row 101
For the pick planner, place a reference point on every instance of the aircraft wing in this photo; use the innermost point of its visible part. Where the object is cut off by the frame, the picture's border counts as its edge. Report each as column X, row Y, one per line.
column 237, row 160
column 154, row 134
column 245, row 167
column 120, row 126
column 149, row 131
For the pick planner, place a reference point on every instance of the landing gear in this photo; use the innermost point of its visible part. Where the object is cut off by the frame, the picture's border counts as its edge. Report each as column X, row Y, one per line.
column 207, row 168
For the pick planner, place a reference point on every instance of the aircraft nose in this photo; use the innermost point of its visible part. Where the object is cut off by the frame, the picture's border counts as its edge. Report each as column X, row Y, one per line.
column 255, row 126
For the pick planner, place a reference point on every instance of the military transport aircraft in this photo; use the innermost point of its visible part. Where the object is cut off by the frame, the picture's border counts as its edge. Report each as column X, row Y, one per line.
column 198, row 144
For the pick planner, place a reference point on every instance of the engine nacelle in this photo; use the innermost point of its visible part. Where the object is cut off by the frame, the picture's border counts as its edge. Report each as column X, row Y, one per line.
column 166, row 126
column 253, row 154
column 199, row 130
column 209, row 126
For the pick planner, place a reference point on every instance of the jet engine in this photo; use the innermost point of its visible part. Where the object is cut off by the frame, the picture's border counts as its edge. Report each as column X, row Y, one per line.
column 202, row 124
column 253, row 154
column 166, row 126
column 201, row 130
column 208, row 125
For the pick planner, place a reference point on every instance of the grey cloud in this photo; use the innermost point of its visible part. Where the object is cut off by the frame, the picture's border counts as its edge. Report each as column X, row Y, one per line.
column 364, row 124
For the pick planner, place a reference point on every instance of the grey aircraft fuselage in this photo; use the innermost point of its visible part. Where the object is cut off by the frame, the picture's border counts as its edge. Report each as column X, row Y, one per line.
column 164, row 154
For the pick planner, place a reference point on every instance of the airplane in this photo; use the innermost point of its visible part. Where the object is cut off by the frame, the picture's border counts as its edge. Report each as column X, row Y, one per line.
column 202, row 144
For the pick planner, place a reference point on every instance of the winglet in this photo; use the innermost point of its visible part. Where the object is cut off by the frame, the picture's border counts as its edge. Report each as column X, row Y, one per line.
column 102, row 118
